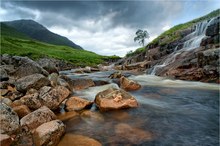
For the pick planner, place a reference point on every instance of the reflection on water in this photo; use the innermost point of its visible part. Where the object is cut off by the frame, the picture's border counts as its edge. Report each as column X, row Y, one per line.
column 187, row 115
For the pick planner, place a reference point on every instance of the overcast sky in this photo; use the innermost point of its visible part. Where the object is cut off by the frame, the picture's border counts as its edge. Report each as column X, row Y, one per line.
column 106, row 27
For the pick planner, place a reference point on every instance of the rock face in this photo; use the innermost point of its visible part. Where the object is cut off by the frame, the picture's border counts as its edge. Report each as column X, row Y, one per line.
column 9, row 120
column 22, row 110
column 112, row 99
column 49, row 133
column 77, row 103
column 38, row 117
column 78, row 140
column 35, row 81
column 134, row 135
column 129, row 85
column 52, row 98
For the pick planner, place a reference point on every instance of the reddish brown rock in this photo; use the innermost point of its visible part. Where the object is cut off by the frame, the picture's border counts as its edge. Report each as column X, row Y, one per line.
column 32, row 101
column 78, row 140
column 79, row 84
column 49, row 134
column 77, row 103
column 5, row 140
column 112, row 99
column 53, row 97
column 22, row 110
column 129, row 85
column 134, row 135
column 38, row 117
column 67, row 115
column 16, row 103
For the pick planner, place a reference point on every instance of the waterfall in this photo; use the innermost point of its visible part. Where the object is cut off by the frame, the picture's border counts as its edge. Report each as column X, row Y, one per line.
column 193, row 40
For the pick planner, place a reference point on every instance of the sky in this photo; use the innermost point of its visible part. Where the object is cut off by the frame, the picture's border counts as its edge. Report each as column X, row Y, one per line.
column 107, row 27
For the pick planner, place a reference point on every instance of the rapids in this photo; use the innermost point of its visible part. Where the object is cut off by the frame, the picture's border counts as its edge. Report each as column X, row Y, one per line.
column 176, row 112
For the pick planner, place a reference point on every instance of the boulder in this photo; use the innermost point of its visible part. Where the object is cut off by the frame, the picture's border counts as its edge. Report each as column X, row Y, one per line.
column 129, row 85
column 64, row 83
column 22, row 110
column 49, row 133
column 82, row 83
column 9, row 120
column 48, row 64
column 35, row 81
column 67, row 115
column 77, row 103
column 7, row 101
column 53, row 97
column 38, row 117
column 14, row 95
column 78, row 140
column 112, row 99
column 5, row 140
column 32, row 101
column 25, row 67
column 134, row 135
column 115, row 75
column 53, row 79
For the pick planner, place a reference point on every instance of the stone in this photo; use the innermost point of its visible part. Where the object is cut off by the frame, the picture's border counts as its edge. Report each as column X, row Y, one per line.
column 48, row 64
column 7, row 101
column 49, row 133
column 35, row 81
column 16, row 103
column 53, row 79
column 38, row 117
column 78, row 140
column 134, row 135
column 32, row 101
column 67, row 115
column 82, row 83
column 22, row 110
column 67, row 80
column 53, row 97
column 5, row 140
column 129, row 85
column 94, row 116
column 100, row 82
column 76, row 103
column 24, row 66
column 115, row 75
column 64, row 83
column 9, row 120
column 14, row 95
column 113, row 99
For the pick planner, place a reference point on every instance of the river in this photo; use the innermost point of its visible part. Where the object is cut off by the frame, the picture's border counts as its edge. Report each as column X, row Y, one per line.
column 177, row 113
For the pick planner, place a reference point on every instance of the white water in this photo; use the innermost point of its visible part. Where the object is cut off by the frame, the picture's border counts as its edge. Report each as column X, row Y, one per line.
column 193, row 41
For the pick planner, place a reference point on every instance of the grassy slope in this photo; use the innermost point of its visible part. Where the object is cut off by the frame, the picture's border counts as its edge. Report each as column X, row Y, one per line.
column 171, row 34
column 15, row 43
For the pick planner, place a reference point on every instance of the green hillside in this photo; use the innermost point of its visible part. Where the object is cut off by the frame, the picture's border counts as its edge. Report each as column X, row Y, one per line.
column 16, row 43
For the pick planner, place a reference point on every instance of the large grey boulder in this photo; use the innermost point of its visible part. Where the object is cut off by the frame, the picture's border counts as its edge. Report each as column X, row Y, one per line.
column 9, row 120
column 35, row 81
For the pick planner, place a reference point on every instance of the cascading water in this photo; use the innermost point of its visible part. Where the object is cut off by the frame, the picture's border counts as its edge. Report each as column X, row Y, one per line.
column 193, row 40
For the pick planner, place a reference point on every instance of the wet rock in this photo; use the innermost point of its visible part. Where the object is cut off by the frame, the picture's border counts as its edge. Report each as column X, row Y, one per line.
column 38, row 117
column 83, row 83
column 100, row 82
column 53, row 97
column 112, row 99
column 77, row 103
column 25, row 67
column 5, row 140
column 115, row 75
column 22, row 110
column 78, row 140
column 49, row 133
column 134, row 135
column 94, row 116
column 9, row 120
column 67, row 115
column 53, row 79
column 129, row 85
column 35, row 81
column 32, row 101
column 64, row 83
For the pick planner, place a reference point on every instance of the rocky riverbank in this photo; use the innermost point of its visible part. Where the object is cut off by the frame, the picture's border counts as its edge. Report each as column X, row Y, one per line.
column 33, row 94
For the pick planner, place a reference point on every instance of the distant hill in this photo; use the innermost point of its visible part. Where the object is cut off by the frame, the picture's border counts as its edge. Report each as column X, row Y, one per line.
column 38, row 32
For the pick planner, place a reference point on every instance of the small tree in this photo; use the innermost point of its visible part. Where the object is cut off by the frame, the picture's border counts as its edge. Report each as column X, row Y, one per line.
column 141, row 35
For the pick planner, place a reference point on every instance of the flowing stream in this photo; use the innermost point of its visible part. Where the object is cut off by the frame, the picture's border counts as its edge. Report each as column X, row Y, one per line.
column 192, row 41
column 177, row 113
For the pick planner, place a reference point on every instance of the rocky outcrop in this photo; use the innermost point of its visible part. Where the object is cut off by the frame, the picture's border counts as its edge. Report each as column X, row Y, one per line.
column 113, row 99
column 49, row 133
column 38, row 117
column 9, row 120
column 35, row 81
column 129, row 85
column 76, row 103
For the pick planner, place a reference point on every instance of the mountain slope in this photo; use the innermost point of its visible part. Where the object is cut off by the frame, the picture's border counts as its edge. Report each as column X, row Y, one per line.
column 38, row 32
